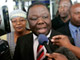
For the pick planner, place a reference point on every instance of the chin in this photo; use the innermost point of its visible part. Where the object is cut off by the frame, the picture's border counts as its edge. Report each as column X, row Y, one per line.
column 45, row 33
column 19, row 30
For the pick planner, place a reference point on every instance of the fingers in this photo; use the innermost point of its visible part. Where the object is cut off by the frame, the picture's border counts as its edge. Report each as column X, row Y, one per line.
column 55, row 42
column 60, row 40
column 56, row 56
column 59, row 37
column 56, row 39
column 51, row 55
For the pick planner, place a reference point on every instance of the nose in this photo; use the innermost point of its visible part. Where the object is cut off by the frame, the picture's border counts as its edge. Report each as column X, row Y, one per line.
column 40, row 21
column 18, row 22
column 62, row 8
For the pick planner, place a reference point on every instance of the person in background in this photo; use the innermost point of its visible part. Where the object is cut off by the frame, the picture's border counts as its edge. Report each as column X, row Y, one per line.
column 40, row 23
column 73, row 30
column 63, row 16
column 19, row 21
column 4, row 50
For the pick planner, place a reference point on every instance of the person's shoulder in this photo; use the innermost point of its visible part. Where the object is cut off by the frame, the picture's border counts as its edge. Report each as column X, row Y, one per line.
column 54, row 32
column 26, row 36
column 63, row 28
column 56, row 18
column 3, row 37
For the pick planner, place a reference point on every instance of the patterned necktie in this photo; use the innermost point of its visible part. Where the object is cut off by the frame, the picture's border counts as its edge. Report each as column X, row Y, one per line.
column 77, row 42
column 40, row 52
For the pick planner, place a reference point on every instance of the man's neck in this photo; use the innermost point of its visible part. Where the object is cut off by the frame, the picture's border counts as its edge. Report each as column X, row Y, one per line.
column 65, row 19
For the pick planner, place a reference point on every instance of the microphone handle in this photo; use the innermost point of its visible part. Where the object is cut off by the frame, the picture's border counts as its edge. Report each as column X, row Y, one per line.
column 47, row 48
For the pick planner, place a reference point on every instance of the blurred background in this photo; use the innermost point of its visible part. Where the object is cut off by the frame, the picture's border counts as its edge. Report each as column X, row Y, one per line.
column 7, row 6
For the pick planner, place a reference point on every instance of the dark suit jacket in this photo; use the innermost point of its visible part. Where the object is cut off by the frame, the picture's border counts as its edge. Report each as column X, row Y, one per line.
column 24, row 47
column 65, row 30
column 58, row 23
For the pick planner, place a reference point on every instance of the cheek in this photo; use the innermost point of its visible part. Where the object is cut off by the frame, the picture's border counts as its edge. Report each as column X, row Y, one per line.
column 13, row 25
column 24, row 25
column 49, row 21
column 32, row 23
column 66, row 9
column 74, row 17
column 59, row 10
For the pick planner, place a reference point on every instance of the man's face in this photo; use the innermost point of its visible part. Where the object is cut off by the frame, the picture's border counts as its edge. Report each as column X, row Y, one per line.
column 39, row 19
column 75, row 15
column 64, row 7
column 19, row 24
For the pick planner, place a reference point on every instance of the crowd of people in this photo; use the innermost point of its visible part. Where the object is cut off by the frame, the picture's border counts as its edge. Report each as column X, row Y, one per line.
column 62, row 32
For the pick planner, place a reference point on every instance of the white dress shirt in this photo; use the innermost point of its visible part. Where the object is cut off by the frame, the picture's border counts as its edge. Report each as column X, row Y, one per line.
column 36, row 43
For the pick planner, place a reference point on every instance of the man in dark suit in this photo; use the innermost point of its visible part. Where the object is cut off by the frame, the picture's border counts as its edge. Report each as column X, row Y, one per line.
column 40, row 23
column 71, row 29
column 62, row 17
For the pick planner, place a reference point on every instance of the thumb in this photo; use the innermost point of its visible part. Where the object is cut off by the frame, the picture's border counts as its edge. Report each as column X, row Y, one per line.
column 53, row 55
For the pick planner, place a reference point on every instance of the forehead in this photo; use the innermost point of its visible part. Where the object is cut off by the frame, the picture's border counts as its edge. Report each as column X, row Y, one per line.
column 38, row 9
column 76, row 8
column 64, row 2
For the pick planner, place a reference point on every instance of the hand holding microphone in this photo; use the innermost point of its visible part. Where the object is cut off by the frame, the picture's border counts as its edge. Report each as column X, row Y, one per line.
column 56, row 56
column 61, row 40
column 43, row 40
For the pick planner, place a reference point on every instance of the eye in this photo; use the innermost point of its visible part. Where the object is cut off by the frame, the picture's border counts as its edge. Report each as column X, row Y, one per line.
column 33, row 18
column 59, row 6
column 14, row 21
column 77, row 12
column 44, row 17
column 22, row 20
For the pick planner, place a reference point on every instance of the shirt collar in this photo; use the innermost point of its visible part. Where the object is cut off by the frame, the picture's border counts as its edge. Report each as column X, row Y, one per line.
column 35, row 37
column 72, row 27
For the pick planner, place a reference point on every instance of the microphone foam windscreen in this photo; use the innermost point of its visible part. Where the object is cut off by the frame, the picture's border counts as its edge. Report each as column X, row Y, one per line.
column 42, row 39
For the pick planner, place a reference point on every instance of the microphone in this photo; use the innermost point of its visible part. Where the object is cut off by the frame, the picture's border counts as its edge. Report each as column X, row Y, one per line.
column 65, row 51
column 43, row 40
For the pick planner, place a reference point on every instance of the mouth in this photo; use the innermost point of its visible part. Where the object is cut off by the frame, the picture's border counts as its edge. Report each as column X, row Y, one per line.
column 44, row 29
column 19, row 27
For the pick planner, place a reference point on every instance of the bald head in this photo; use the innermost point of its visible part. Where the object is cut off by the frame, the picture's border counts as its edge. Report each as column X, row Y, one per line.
column 75, row 14
column 75, row 7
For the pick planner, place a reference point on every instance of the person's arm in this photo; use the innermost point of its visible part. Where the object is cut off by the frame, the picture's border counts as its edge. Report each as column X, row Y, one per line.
column 62, row 40
column 75, row 50
column 56, row 56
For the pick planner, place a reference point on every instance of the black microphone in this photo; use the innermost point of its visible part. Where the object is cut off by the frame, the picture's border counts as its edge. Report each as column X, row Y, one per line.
column 65, row 51
column 43, row 40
